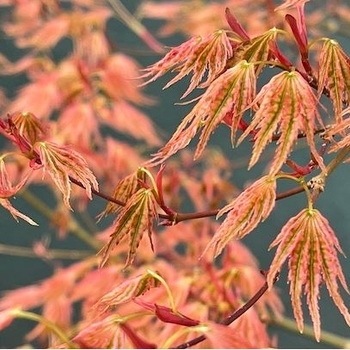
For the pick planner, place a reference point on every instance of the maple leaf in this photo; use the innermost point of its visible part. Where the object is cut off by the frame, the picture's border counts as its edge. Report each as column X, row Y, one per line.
column 334, row 75
column 119, row 79
column 15, row 213
column 29, row 126
column 135, row 218
column 128, row 290
column 41, row 94
column 205, row 56
column 103, row 333
column 252, row 206
column 123, row 117
column 287, row 105
column 7, row 189
column 233, row 91
column 340, row 128
column 123, row 191
column 311, row 246
column 257, row 49
column 62, row 163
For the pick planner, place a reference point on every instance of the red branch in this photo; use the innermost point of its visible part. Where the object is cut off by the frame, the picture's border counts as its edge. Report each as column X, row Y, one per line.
column 178, row 217
column 230, row 319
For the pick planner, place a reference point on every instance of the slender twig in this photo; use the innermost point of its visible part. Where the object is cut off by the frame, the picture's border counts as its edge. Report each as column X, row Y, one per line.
column 319, row 181
column 238, row 313
column 48, row 324
column 131, row 21
column 73, row 225
column 52, row 253
column 99, row 194
column 341, row 155
column 301, row 135
column 178, row 217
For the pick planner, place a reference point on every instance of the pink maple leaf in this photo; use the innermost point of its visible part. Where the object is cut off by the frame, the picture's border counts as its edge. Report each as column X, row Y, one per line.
column 310, row 245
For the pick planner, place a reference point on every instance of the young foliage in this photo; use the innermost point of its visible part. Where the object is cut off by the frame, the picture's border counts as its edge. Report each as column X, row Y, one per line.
column 311, row 246
column 340, row 129
column 230, row 94
column 287, row 106
column 250, row 208
column 127, row 290
column 62, row 163
column 66, row 120
column 136, row 217
column 334, row 75
column 7, row 190
column 257, row 49
column 123, row 191
column 205, row 56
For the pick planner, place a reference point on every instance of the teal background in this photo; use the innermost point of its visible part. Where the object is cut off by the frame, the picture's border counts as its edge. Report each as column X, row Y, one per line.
column 334, row 203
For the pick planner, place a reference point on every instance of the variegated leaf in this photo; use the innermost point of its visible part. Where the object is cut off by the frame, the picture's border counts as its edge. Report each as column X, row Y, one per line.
column 15, row 213
column 136, row 218
column 341, row 128
column 61, row 162
column 128, row 290
column 205, row 57
column 233, row 91
column 123, row 191
column 311, row 246
column 29, row 126
column 250, row 208
column 334, row 75
column 287, row 106
column 257, row 50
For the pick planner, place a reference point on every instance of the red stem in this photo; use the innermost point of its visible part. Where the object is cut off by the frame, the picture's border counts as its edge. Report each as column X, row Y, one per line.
column 178, row 217
column 230, row 319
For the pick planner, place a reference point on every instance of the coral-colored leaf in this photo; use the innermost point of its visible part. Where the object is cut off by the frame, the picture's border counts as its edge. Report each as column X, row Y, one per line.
column 62, row 162
column 252, row 206
column 341, row 128
column 123, row 191
column 15, row 213
column 311, row 246
column 128, row 290
column 119, row 79
column 334, row 75
column 8, row 190
column 287, row 106
column 127, row 119
column 136, row 218
column 257, row 50
column 104, row 333
column 232, row 91
column 29, row 126
column 205, row 57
